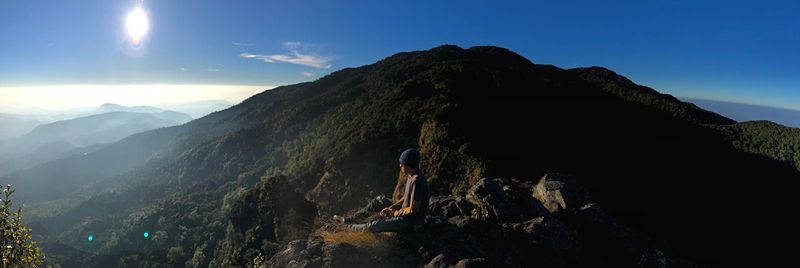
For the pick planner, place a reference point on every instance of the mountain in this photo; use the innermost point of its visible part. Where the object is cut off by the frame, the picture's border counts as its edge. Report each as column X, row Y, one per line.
column 58, row 139
column 253, row 184
column 111, row 107
column 748, row 112
column 16, row 125
column 200, row 108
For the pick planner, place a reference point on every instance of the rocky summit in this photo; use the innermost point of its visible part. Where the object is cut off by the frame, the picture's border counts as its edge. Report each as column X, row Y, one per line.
column 498, row 223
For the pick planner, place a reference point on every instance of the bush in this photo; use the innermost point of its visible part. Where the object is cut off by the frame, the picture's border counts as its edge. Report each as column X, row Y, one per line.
column 18, row 248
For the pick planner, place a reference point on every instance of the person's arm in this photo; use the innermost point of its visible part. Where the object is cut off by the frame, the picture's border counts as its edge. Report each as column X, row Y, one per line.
column 388, row 211
column 397, row 205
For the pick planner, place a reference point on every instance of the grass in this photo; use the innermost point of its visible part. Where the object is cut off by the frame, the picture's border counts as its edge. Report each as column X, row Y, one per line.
column 379, row 244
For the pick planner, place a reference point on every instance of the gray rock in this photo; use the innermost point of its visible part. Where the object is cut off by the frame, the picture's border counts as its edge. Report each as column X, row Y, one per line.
column 549, row 242
column 501, row 201
column 437, row 262
column 558, row 192
column 449, row 206
column 609, row 242
column 472, row 263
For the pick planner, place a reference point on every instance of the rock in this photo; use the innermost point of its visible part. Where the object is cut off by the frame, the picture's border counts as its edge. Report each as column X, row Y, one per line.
column 558, row 192
column 499, row 223
column 472, row 263
column 329, row 194
column 273, row 212
column 606, row 241
column 510, row 205
column 547, row 241
column 316, row 253
column 449, row 206
column 437, row 262
column 451, row 242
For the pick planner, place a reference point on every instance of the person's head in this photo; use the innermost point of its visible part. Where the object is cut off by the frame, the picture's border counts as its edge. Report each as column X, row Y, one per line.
column 409, row 161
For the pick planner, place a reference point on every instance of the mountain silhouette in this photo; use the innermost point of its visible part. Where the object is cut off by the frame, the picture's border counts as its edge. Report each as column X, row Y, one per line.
column 257, row 178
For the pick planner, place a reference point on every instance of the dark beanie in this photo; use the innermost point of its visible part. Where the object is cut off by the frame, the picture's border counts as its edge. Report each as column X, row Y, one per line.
column 410, row 157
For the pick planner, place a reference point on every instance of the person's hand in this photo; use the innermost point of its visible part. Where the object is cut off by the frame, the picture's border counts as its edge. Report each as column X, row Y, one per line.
column 386, row 212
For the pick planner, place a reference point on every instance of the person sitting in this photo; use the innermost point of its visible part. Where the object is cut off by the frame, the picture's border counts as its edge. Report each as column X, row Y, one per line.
column 407, row 212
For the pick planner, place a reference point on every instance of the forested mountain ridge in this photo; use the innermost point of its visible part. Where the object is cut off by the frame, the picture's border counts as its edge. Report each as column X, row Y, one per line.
column 245, row 181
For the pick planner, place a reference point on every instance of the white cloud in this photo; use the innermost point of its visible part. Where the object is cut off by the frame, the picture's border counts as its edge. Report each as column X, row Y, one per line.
column 307, row 73
column 212, row 70
column 182, row 69
column 243, row 44
column 294, row 57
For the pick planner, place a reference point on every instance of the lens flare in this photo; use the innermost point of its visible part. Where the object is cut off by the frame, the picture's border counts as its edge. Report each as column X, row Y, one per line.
column 137, row 25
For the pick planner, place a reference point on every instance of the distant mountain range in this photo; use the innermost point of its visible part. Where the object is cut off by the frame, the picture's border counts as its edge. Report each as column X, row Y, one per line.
column 17, row 125
column 109, row 123
column 200, row 108
column 256, row 183
column 749, row 112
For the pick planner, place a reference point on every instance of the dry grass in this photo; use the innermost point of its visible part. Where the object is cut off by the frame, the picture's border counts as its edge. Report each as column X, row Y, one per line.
column 379, row 244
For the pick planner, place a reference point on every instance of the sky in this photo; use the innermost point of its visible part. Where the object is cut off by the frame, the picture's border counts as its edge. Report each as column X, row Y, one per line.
column 740, row 51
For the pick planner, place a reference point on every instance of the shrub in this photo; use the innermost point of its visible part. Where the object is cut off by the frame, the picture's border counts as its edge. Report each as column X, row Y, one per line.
column 18, row 248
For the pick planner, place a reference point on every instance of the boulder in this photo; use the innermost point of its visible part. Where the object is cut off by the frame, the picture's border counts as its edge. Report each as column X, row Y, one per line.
column 449, row 206
column 316, row 253
column 558, row 192
column 472, row 263
column 500, row 201
column 545, row 242
column 606, row 241
column 437, row 262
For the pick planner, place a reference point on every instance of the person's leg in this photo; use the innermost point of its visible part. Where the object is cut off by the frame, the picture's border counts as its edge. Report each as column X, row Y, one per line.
column 374, row 206
column 383, row 225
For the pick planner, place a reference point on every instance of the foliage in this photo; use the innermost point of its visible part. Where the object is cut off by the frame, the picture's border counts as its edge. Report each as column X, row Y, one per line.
column 766, row 138
column 18, row 248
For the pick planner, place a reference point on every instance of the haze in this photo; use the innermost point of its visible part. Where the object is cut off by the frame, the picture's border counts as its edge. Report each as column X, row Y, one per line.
column 62, row 97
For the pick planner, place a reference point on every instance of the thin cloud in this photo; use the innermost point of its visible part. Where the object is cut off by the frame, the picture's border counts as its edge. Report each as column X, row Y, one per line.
column 212, row 70
column 294, row 57
column 182, row 69
column 243, row 44
column 307, row 73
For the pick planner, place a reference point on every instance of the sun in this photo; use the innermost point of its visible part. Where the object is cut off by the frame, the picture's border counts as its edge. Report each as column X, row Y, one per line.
column 137, row 25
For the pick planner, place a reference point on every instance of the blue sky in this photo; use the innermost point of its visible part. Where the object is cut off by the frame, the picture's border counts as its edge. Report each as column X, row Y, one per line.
column 742, row 51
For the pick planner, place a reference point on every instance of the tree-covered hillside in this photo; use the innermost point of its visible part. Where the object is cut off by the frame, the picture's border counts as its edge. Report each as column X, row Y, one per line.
column 766, row 138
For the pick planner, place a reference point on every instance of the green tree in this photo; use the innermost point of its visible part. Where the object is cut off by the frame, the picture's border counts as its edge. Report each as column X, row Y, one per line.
column 18, row 248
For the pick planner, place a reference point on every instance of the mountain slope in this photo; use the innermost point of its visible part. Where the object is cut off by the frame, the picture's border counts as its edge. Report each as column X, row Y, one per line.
column 766, row 138
column 56, row 140
column 200, row 108
column 649, row 159
column 16, row 125
column 613, row 83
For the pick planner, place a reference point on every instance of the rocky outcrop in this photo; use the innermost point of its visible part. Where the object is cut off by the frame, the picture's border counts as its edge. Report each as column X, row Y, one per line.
column 317, row 253
column 504, row 202
column 497, row 223
column 265, row 217
column 559, row 192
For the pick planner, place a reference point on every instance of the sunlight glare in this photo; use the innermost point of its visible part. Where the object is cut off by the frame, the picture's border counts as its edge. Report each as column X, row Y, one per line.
column 137, row 25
